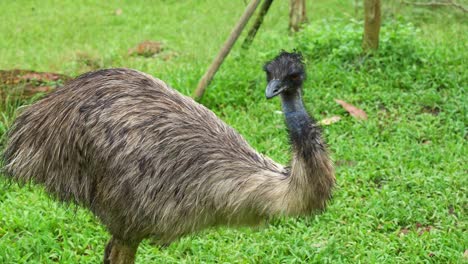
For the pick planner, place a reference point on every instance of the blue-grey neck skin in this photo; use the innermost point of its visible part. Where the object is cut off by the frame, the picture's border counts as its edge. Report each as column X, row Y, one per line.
column 292, row 102
column 295, row 113
column 304, row 133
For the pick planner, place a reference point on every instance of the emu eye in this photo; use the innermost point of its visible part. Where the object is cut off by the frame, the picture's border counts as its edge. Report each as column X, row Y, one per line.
column 295, row 77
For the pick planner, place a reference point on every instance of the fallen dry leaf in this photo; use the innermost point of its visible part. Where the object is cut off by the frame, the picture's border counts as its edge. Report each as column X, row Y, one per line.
column 118, row 11
column 330, row 120
column 352, row 110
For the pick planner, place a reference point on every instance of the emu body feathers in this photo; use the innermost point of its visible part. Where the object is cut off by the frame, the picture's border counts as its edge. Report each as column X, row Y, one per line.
column 150, row 162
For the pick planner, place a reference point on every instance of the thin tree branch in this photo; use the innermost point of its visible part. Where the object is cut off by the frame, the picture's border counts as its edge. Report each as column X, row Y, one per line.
column 258, row 22
column 227, row 46
column 437, row 4
column 461, row 7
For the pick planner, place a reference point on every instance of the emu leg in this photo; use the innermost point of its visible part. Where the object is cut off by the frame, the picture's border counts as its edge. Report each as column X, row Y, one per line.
column 120, row 252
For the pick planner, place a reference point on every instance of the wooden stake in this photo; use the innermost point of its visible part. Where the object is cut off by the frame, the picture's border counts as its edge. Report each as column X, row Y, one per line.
column 258, row 22
column 206, row 79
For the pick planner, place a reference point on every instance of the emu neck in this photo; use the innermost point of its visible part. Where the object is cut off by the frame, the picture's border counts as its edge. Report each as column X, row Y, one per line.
column 295, row 113
column 311, row 175
column 292, row 102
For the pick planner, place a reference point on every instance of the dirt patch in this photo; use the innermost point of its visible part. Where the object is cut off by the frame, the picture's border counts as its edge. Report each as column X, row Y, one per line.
column 90, row 62
column 348, row 163
column 418, row 228
column 433, row 110
column 153, row 49
column 146, row 48
column 26, row 83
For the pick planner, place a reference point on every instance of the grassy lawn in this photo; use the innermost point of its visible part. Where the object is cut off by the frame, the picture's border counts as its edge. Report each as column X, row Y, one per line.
column 402, row 183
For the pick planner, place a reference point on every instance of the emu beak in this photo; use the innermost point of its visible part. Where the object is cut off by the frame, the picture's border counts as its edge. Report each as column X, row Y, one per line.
column 273, row 89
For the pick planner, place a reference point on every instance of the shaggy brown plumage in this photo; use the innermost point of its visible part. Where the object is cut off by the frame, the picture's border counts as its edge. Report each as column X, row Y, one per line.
column 150, row 162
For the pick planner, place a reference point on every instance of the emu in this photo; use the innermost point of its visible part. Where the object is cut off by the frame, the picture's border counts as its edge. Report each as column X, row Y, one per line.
column 152, row 163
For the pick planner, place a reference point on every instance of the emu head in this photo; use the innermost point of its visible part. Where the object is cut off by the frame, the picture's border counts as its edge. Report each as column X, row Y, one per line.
column 285, row 74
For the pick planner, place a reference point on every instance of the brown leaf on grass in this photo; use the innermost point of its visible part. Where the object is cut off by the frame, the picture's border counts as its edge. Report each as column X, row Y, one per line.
column 330, row 120
column 118, row 11
column 352, row 110
column 146, row 48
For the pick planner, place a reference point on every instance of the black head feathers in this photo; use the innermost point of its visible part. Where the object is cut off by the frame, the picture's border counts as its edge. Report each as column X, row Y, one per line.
column 286, row 65
column 285, row 73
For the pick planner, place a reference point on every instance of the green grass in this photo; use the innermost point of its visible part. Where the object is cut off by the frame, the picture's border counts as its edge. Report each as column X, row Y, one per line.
column 402, row 175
